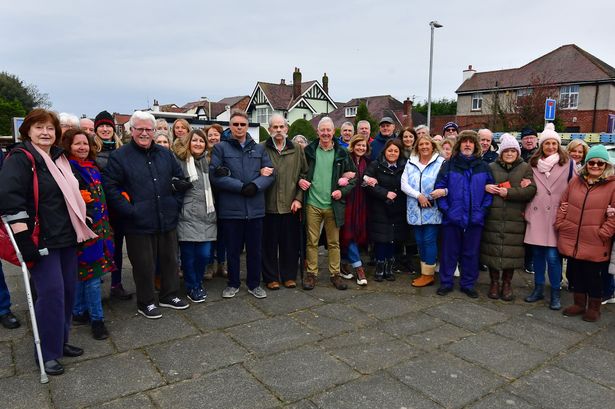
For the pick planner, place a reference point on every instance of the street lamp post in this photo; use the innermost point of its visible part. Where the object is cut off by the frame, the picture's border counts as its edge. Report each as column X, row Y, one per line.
column 433, row 25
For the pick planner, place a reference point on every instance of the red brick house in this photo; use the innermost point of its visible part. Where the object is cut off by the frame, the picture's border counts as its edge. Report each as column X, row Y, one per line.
column 583, row 85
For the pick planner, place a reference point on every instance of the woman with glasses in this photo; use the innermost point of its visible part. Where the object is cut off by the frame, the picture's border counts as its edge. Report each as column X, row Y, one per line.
column 552, row 169
column 586, row 232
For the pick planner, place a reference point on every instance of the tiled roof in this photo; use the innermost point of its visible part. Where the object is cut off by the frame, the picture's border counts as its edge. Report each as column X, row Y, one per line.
column 566, row 64
column 233, row 100
column 281, row 95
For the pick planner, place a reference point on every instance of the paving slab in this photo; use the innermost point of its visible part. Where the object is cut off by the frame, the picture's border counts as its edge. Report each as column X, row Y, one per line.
column 17, row 333
column 446, row 379
column 468, row 315
column 25, row 392
column 97, row 380
column 538, row 334
column 559, row 319
column 325, row 292
column 605, row 339
column 333, row 319
column 140, row 401
column 231, row 387
column 272, row 335
column 224, row 314
column 195, row 355
column 437, row 337
column 82, row 337
column 502, row 400
column 501, row 355
column 359, row 337
column 284, row 301
column 7, row 367
column 369, row 358
column 387, row 305
column 555, row 388
column 139, row 331
column 410, row 324
column 300, row 373
column 302, row 404
column 591, row 363
column 374, row 391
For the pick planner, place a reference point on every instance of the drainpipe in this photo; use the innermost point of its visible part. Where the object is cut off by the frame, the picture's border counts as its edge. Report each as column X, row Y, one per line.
column 595, row 106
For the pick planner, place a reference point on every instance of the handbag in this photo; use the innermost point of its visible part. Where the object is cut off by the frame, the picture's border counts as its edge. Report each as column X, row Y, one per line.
column 7, row 251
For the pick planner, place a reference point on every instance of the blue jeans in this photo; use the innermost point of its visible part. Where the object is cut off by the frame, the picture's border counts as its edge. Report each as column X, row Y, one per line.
column 87, row 298
column 608, row 284
column 426, row 237
column 353, row 255
column 195, row 256
column 547, row 257
column 5, row 297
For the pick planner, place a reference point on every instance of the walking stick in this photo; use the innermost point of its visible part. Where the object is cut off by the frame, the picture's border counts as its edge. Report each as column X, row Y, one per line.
column 26, row 281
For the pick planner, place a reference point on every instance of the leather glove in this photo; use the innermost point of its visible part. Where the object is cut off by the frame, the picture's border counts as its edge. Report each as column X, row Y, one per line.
column 28, row 249
column 181, row 185
column 222, row 171
column 249, row 189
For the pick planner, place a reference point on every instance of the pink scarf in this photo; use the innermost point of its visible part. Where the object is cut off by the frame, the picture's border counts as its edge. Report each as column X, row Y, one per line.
column 63, row 175
column 545, row 165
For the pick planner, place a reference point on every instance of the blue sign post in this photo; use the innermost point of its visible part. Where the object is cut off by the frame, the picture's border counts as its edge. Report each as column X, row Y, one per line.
column 550, row 105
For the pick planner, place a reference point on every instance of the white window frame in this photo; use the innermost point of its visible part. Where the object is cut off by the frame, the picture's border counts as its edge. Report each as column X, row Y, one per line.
column 524, row 92
column 350, row 112
column 569, row 97
column 477, row 101
column 261, row 113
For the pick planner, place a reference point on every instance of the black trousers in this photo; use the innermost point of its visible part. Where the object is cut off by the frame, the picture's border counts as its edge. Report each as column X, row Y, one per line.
column 585, row 276
column 143, row 251
column 280, row 247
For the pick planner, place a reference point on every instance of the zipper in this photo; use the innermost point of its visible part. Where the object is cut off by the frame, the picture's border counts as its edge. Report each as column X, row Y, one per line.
column 576, row 244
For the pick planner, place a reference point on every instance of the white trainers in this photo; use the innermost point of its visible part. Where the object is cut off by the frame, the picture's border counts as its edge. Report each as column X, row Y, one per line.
column 258, row 292
column 229, row 292
column 609, row 301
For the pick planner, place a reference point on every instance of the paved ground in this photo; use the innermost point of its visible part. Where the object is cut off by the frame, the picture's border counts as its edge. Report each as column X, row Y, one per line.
column 384, row 346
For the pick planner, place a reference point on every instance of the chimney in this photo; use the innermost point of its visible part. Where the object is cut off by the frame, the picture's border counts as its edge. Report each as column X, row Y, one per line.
column 408, row 112
column 296, row 83
column 156, row 107
column 467, row 74
column 325, row 83
column 282, row 81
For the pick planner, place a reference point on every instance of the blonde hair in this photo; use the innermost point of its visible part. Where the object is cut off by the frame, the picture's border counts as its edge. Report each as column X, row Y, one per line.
column 98, row 142
column 182, row 151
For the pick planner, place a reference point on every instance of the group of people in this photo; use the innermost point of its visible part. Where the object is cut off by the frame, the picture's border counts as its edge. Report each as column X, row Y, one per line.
column 178, row 196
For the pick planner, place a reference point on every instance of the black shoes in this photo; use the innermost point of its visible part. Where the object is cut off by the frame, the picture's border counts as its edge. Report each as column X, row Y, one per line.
column 444, row 290
column 9, row 321
column 117, row 291
column 470, row 292
column 71, row 351
column 99, row 331
column 81, row 319
column 53, row 367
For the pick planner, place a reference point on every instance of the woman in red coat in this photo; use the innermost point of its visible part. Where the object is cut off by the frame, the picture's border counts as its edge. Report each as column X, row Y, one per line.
column 586, row 232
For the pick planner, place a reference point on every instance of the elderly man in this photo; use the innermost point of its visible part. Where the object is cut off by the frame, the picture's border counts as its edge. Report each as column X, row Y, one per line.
column 241, row 171
column 450, row 130
column 346, row 134
column 68, row 121
column 464, row 206
column 87, row 126
column 529, row 143
column 421, row 130
column 327, row 164
column 144, row 184
column 364, row 128
column 387, row 131
column 282, row 204
column 485, row 138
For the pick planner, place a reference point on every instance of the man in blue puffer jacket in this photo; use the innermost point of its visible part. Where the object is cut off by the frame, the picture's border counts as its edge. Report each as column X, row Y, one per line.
column 464, row 208
column 241, row 171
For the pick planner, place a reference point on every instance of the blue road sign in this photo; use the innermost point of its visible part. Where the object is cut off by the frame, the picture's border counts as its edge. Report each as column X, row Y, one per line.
column 550, row 109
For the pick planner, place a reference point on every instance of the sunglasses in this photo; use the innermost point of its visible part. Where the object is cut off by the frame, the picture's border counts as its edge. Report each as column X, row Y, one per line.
column 238, row 124
column 450, row 130
column 598, row 163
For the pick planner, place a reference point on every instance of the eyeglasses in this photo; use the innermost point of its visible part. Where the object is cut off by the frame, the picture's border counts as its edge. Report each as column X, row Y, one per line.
column 141, row 130
column 597, row 163
column 238, row 124
column 450, row 130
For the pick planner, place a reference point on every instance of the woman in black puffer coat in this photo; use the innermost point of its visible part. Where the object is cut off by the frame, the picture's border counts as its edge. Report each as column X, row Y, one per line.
column 386, row 218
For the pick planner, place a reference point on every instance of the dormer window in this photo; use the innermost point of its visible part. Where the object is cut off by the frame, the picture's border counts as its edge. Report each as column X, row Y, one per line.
column 350, row 112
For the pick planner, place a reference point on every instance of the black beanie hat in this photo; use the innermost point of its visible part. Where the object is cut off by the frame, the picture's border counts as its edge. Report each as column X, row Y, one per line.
column 527, row 131
column 103, row 117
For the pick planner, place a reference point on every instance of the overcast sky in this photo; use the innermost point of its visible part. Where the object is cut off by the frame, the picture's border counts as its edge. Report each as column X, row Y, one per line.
column 120, row 55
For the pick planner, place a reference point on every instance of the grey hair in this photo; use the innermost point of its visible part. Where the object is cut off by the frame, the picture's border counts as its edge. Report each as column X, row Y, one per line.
column 69, row 119
column 324, row 120
column 143, row 116
column 418, row 128
column 363, row 122
column 276, row 116
column 300, row 138
column 347, row 123
column 485, row 130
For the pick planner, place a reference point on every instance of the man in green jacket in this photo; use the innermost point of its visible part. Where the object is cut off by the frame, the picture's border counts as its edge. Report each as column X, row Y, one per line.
column 327, row 163
column 283, row 200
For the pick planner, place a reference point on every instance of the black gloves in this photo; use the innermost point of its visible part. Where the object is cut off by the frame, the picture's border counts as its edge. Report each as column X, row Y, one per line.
column 249, row 189
column 28, row 249
column 222, row 171
column 181, row 185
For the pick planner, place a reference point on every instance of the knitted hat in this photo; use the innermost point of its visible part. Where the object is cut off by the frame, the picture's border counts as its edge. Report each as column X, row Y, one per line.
column 103, row 118
column 527, row 131
column 598, row 152
column 508, row 141
column 549, row 133
column 450, row 125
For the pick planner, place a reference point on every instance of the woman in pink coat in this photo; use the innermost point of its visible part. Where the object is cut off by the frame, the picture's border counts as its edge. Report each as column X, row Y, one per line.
column 552, row 169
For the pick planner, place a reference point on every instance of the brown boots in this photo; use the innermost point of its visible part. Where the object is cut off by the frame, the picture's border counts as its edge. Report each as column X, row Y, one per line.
column 589, row 307
column 427, row 275
column 505, row 290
